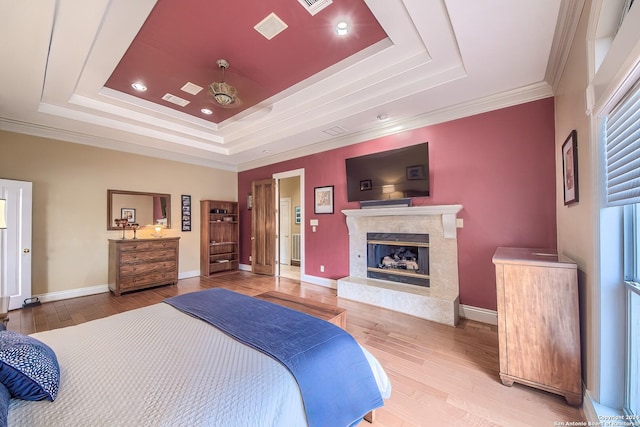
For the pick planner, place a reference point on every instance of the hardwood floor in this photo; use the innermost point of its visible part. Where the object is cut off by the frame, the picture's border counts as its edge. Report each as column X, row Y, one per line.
column 441, row 376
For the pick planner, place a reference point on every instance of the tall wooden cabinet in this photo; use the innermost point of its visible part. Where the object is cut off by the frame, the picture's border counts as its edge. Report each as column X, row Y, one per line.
column 219, row 236
column 538, row 321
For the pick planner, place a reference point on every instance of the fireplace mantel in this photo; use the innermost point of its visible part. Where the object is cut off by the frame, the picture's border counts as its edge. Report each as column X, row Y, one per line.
column 438, row 302
column 448, row 213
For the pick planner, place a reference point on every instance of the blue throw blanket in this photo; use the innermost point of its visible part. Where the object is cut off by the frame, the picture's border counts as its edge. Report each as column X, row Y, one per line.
column 335, row 380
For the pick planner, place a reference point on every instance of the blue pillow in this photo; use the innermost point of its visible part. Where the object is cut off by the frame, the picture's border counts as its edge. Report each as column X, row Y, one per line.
column 28, row 368
column 5, row 398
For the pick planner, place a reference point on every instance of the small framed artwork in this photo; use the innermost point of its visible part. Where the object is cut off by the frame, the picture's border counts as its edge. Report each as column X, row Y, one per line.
column 415, row 172
column 298, row 215
column 249, row 201
column 129, row 214
column 186, row 212
column 570, row 168
column 365, row 185
column 323, row 200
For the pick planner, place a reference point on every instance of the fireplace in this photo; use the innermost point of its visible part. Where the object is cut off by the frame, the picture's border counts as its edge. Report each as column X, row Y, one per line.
column 435, row 245
column 398, row 257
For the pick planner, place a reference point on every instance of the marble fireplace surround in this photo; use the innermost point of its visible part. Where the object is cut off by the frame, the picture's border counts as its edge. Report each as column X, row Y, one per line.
column 439, row 302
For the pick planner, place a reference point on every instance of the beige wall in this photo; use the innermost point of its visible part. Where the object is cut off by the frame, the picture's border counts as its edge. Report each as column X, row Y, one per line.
column 290, row 187
column 70, row 183
column 576, row 222
column 587, row 231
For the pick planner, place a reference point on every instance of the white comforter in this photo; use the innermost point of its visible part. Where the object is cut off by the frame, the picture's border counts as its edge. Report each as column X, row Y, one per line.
column 156, row 366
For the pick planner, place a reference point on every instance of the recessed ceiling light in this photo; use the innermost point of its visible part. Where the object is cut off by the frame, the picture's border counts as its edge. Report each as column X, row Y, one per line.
column 139, row 86
column 382, row 117
column 342, row 28
column 206, row 111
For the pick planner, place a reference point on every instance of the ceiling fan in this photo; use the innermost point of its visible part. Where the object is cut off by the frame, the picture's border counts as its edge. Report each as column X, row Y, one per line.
column 223, row 93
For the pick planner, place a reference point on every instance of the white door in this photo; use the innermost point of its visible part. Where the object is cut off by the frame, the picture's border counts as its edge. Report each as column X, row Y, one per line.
column 285, row 231
column 15, row 242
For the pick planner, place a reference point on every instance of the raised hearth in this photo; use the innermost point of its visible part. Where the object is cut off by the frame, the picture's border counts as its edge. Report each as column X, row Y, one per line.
column 439, row 301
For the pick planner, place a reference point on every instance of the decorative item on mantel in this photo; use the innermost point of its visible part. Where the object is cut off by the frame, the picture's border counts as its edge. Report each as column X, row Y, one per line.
column 134, row 226
column 122, row 222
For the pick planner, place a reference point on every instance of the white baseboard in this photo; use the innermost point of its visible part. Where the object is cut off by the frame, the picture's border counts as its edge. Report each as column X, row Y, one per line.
column 72, row 293
column 469, row 312
column 589, row 409
column 188, row 274
column 321, row 281
column 92, row 290
column 478, row 314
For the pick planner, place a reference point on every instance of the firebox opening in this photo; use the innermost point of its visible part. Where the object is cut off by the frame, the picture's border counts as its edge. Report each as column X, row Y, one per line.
column 398, row 257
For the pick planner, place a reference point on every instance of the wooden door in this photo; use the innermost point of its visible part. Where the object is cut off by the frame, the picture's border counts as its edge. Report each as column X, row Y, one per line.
column 263, row 227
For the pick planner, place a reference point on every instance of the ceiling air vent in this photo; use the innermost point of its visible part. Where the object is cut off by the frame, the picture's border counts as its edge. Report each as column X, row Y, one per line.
column 335, row 131
column 191, row 88
column 314, row 6
column 270, row 26
column 175, row 100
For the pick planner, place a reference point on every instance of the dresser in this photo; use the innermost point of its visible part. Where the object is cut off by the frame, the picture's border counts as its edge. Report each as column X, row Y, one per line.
column 142, row 263
column 538, row 321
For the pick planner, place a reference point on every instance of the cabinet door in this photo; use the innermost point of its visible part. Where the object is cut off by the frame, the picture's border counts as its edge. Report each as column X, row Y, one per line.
column 541, row 322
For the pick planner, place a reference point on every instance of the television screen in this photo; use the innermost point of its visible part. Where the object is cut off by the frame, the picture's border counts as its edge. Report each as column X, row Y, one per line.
column 394, row 174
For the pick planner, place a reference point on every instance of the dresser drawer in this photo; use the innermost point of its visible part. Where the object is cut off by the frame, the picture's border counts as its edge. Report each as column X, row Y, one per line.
column 146, row 256
column 145, row 268
column 151, row 279
column 147, row 245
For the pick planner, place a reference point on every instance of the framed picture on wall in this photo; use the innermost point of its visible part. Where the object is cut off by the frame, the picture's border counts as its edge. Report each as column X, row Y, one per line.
column 323, row 200
column 186, row 212
column 129, row 214
column 297, row 211
column 415, row 172
column 570, row 168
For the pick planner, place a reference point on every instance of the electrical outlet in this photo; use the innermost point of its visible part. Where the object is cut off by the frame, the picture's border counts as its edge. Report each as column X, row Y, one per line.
column 322, row 269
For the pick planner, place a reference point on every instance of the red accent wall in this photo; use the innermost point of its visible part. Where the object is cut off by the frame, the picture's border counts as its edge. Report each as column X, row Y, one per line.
column 499, row 165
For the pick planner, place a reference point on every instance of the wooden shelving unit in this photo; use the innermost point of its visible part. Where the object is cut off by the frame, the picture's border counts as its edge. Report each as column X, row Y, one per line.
column 219, row 236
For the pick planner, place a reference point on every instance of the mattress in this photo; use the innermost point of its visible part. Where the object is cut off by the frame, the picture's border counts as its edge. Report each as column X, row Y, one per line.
column 157, row 366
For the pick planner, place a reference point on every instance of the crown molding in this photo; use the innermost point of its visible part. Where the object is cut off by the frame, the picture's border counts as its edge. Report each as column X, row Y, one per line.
column 566, row 26
column 495, row 102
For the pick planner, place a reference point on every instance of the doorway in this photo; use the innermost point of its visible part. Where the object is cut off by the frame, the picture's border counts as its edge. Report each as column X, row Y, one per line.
column 290, row 224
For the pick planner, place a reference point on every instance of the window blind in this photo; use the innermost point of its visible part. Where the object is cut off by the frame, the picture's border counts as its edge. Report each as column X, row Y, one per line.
column 622, row 150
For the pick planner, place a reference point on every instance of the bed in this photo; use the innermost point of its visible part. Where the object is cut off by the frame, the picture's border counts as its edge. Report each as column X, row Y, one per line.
column 164, row 365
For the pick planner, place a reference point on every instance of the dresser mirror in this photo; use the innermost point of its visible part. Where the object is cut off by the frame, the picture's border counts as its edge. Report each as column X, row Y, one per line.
column 138, row 208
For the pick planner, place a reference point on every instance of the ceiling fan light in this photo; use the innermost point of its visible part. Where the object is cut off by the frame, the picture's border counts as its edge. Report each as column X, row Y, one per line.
column 223, row 93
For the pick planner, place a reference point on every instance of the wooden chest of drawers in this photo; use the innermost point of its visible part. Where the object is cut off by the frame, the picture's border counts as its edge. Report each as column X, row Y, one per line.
column 539, row 321
column 142, row 263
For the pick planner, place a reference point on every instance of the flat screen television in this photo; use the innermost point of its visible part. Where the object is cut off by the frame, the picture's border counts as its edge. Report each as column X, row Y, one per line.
column 395, row 174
